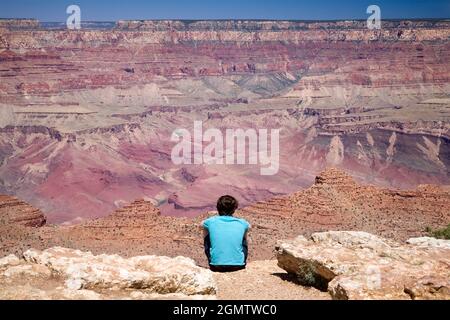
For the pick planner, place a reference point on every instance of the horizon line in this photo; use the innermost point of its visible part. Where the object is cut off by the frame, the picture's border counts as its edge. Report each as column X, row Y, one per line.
column 240, row 19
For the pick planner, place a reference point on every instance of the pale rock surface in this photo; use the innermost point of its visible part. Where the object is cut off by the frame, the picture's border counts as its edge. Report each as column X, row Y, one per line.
column 358, row 265
column 10, row 260
column 28, row 270
column 66, row 274
column 83, row 270
column 430, row 242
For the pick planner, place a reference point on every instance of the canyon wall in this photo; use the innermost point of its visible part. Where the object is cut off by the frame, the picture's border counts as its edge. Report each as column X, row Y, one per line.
column 86, row 116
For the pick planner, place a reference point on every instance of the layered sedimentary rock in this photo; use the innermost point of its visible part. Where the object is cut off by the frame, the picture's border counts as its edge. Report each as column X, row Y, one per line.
column 336, row 202
column 87, row 116
column 15, row 211
column 18, row 24
column 358, row 265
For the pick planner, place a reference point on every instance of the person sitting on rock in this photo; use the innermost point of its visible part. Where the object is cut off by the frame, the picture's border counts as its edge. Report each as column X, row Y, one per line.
column 226, row 245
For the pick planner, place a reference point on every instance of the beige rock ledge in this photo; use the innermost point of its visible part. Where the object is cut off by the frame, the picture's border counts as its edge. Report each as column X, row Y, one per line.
column 60, row 273
column 358, row 265
column 430, row 242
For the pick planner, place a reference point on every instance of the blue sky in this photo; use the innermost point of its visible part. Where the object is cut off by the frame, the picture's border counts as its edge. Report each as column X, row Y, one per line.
column 112, row 10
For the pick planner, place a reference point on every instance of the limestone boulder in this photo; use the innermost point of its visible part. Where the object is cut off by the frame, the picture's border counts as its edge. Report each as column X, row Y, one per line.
column 162, row 275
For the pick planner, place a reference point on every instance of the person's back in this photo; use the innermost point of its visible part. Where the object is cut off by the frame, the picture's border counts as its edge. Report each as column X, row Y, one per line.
column 225, row 238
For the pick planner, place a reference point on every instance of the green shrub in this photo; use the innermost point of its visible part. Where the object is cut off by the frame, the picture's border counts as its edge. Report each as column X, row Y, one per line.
column 440, row 234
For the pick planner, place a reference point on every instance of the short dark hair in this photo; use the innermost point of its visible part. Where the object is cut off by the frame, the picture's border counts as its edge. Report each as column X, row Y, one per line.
column 227, row 205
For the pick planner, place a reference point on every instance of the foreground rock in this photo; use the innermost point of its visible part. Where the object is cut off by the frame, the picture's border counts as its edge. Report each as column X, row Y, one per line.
column 358, row 265
column 430, row 242
column 60, row 273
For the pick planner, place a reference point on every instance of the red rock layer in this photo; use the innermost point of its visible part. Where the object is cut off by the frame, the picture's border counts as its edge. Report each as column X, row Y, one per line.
column 15, row 211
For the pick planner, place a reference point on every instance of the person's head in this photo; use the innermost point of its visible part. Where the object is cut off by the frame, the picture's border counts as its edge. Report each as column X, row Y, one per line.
column 227, row 205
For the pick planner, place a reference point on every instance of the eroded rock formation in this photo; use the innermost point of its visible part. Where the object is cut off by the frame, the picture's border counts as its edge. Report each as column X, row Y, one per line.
column 15, row 211
column 358, row 265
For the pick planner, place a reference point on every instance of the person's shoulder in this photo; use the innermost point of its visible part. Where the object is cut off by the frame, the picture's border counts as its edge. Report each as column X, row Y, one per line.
column 243, row 221
column 210, row 219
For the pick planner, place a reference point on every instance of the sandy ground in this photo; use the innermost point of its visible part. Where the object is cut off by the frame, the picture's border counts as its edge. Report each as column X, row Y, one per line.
column 263, row 280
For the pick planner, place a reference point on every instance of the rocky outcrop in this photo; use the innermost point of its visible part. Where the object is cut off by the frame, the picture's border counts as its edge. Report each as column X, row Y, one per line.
column 347, row 265
column 335, row 178
column 15, row 211
column 74, row 274
column 337, row 202
column 138, row 209
column 358, row 265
